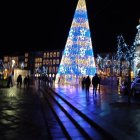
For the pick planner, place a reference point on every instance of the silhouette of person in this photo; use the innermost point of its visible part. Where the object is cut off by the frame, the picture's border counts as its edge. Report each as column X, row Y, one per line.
column 95, row 82
column 28, row 81
column 87, row 84
column 9, row 81
column 25, row 81
column 83, row 82
column 19, row 81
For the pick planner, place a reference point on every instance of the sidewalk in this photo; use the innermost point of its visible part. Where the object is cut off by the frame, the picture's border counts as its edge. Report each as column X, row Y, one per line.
column 111, row 107
column 20, row 116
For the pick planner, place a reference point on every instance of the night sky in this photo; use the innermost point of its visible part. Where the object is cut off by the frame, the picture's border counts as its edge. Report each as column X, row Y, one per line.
column 31, row 26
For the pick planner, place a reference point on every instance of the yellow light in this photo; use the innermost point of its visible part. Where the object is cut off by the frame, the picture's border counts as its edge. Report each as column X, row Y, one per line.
column 132, row 74
column 4, row 77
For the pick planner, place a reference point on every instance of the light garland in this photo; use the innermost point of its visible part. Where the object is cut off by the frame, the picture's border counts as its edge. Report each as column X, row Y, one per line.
column 78, row 58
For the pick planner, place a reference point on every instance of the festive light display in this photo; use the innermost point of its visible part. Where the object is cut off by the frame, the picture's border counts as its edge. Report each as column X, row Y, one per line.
column 78, row 57
column 137, row 38
column 137, row 58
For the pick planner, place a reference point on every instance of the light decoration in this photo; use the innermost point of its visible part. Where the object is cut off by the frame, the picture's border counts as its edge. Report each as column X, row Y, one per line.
column 137, row 58
column 22, row 65
column 13, row 63
column 137, row 38
column 78, row 57
column 5, row 73
column 126, row 53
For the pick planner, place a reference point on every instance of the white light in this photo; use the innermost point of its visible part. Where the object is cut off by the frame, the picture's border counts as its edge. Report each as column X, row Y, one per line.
column 13, row 63
column 22, row 65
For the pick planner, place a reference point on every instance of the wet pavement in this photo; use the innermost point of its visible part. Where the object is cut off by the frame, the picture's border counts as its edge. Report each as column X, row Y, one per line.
column 108, row 105
column 21, row 116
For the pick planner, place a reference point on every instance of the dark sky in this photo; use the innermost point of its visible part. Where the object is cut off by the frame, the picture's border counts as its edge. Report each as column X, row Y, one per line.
column 27, row 26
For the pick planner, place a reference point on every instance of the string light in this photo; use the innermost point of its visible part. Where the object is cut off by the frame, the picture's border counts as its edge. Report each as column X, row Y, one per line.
column 78, row 57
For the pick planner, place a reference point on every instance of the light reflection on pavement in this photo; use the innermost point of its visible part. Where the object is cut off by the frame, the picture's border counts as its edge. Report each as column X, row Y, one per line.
column 20, row 115
column 109, row 104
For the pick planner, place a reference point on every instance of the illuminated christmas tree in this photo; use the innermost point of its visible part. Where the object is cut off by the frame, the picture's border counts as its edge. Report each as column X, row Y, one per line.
column 137, row 38
column 137, row 58
column 78, row 57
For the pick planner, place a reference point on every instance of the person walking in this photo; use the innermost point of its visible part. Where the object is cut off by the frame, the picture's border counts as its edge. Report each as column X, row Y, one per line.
column 19, row 81
column 83, row 82
column 28, row 81
column 95, row 83
column 9, row 81
column 87, row 83
column 25, row 82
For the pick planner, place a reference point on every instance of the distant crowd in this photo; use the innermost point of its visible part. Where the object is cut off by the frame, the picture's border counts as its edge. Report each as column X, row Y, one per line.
column 85, row 82
column 26, row 81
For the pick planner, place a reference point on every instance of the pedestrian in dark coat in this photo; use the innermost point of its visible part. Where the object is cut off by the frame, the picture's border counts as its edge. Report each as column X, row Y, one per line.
column 28, row 81
column 25, row 82
column 95, row 82
column 19, row 81
column 9, row 81
column 83, row 82
column 87, row 84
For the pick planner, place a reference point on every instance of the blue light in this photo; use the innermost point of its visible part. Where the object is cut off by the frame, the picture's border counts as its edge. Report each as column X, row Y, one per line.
column 78, row 57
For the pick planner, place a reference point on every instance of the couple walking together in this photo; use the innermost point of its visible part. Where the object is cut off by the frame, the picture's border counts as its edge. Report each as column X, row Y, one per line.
column 95, row 82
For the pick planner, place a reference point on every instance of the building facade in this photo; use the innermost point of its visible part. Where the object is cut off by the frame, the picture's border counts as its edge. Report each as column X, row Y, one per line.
column 41, row 62
column 47, row 62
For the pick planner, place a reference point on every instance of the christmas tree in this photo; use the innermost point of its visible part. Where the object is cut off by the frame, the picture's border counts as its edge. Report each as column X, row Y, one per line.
column 137, row 58
column 137, row 38
column 78, row 58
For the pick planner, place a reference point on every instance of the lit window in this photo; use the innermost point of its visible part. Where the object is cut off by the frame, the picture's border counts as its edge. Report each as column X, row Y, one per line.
column 47, row 62
column 58, row 54
column 26, row 59
column 50, row 61
column 44, row 62
column 36, row 65
column 53, row 61
column 54, row 54
column 40, row 59
column 44, row 55
column 57, row 61
column 5, row 59
column 50, row 54
column 26, row 54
